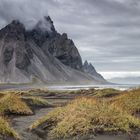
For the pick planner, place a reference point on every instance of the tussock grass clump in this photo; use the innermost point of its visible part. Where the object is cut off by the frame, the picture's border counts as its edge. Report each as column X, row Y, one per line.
column 6, row 130
column 13, row 104
column 128, row 101
column 5, row 92
column 29, row 92
column 36, row 101
column 107, row 92
column 86, row 116
column 32, row 92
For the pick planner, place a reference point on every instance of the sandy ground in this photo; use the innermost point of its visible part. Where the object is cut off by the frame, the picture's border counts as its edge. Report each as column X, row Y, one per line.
column 21, row 124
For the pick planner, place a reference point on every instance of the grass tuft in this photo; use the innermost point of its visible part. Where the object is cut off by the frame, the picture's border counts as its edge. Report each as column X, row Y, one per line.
column 6, row 130
column 13, row 104
column 36, row 101
column 86, row 116
column 107, row 92
column 128, row 101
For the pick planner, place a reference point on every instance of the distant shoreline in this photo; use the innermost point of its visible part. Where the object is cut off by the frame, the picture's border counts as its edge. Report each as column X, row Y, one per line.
column 65, row 87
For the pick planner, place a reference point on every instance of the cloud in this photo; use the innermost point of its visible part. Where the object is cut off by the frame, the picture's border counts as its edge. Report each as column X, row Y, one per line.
column 106, row 32
column 29, row 12
column 110, row 75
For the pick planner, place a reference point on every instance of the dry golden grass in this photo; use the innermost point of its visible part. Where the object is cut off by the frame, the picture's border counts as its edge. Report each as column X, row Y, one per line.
column 32, row 92
column 128, row 101
column 36, row 101
column 29, row 92
column 86, row 116
column 1, row 95
column 107, row 92
column 13, row 104
column 6, row 130
column 83, row 116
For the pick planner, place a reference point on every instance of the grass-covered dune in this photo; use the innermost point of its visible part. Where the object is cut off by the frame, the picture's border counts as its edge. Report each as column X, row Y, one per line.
column 91, row 116
column 92, row 112
column 107, row 92
column 13, row 104
column 128, row 101
column 6, row 131
column 21, row 102
column 36, row 102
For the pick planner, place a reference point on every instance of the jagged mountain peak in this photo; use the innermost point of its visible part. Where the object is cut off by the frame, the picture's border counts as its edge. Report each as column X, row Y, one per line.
column 43, row 30
column 89, row 68
column 13, row 30
column 16, row 23
column 85, row 64
column 64, row 36
column 45, row 25
column 48, row 18
column 15, row 26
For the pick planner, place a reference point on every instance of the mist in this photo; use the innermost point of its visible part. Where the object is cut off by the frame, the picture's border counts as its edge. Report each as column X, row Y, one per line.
column 29, row 12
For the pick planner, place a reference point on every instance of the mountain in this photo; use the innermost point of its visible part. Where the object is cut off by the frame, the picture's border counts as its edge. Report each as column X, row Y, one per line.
column 58, row 45
column 40, row 54
column 89, row 69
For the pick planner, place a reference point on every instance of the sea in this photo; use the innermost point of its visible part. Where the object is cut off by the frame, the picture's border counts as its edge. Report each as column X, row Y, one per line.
column 78, row 87
column 69, row 87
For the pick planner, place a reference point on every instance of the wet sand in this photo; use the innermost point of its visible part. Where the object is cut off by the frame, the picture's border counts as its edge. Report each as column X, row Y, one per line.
column 22, row 123
column 107, row 137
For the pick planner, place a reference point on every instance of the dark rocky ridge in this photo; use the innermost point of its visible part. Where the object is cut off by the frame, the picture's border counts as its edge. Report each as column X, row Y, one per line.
column 89, row 69
column 41, row 53
column 64, row 49
column 58, row 45
column 15, row 33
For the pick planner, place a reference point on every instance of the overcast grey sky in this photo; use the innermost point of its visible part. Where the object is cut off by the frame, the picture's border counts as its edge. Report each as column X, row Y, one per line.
column 106, row 32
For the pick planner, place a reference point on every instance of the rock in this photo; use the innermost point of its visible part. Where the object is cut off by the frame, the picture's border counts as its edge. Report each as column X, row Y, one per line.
column 14, row 45
column 8, row 54
column 64, row 50
column 41, row 54
column 89, row 69
column 58, row 45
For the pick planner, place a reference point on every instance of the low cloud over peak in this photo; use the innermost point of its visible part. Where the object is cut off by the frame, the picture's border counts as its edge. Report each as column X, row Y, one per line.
column 29, row 12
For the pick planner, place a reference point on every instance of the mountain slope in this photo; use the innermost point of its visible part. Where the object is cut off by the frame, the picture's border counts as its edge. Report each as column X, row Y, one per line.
column 89, row 69
column 27, row 55
column 58, row 45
